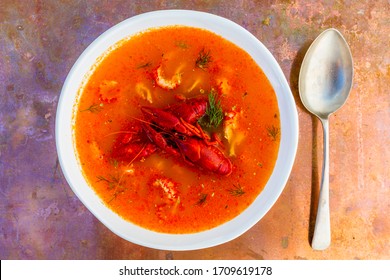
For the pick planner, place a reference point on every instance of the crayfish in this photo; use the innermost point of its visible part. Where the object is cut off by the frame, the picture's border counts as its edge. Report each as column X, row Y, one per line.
column 174, row 130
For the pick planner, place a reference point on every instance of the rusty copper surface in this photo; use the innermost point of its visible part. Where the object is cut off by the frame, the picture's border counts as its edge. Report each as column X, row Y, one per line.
column 40, row 216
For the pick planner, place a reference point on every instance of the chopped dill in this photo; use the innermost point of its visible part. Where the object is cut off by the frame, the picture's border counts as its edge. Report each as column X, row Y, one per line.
column 273, row 132
column 144, row 65
column 113, row 182
column 94, row 108
column 113, row 197
column 202, row 199
column 101, row 178
column 181, row 44
column 214, row 114
column 237, row 190
column 203, row 59
column 114, row 163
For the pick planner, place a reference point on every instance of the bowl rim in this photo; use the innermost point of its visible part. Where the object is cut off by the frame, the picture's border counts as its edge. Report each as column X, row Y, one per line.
column 287, row 149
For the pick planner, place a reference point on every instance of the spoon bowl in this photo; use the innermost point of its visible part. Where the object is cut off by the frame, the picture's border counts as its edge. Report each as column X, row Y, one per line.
column 325, row 81
column 325, row 77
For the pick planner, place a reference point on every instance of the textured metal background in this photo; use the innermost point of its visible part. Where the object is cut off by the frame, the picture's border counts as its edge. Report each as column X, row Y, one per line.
column 41, row 218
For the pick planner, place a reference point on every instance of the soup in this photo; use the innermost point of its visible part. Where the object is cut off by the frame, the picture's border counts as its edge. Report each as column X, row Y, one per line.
column 176, row 129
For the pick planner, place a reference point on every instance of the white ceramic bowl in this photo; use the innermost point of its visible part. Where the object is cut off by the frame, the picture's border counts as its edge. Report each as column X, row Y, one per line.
column 288, row 144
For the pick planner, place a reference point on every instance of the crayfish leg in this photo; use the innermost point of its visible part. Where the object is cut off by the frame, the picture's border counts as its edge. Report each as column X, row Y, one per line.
column 158, row 139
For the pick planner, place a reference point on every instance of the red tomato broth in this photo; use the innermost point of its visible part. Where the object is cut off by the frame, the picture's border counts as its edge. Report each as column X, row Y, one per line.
column 133, row 190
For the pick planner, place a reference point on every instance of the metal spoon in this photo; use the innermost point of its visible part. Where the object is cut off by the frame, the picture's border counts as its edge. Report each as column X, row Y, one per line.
column 325, row 81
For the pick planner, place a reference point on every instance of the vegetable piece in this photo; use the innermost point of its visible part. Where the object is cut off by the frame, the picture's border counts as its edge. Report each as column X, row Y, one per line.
column 168, row 187
column 224, row 86
column 196, row 83
column 144, row 92
column 232, row 132
column 96, row 151
column 165, row 83
column 109, row 91
column 171, row 198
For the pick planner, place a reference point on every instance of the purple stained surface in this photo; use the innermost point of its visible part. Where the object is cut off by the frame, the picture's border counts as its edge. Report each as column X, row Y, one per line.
column 40, row 216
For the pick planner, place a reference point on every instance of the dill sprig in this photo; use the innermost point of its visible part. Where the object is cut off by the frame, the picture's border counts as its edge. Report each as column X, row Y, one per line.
column 273, row 132
column 202, row 199
column 114, row 163
column 214, row 113
column 181, row 44
column 144, row 65
column 113, row 182
column 237, row 190
column 203, row 59
column 101, row 178
column 114, row 185
column 94, row 108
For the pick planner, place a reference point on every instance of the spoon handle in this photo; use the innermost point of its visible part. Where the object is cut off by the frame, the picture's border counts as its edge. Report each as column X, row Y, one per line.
column 321, row 237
